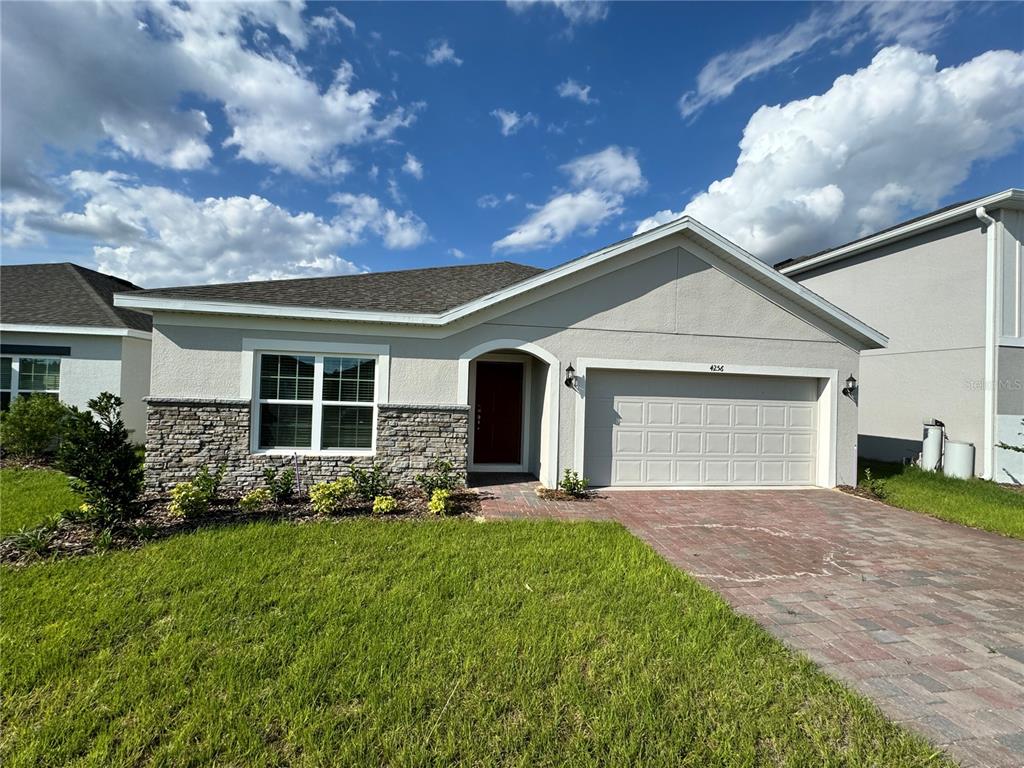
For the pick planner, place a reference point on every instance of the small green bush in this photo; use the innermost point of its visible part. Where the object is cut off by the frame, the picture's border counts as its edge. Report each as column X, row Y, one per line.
column 280, row 484
column 329, row 497
column 104, row 466
column 443, row 477
column 256, row 500
column 440, row 502
column 370, row 483
column 873, row 485
column 31, row 429
column 384, row 505
column 209, row 482
column 32, row 541
column 188, row 500
column 573, row 484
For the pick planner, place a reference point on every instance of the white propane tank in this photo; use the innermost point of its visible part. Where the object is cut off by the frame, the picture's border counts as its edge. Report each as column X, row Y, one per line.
column 931, row 445
column 959, row 460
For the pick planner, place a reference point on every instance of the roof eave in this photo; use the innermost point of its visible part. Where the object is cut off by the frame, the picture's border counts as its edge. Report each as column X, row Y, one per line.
column 1008, row 198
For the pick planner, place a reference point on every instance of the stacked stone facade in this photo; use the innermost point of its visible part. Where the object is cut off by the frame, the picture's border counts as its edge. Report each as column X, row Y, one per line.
column 186, row 434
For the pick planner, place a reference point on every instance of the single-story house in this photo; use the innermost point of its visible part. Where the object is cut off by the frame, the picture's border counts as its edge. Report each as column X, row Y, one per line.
column 670, row 359
column 947, row 288
column 61, row 334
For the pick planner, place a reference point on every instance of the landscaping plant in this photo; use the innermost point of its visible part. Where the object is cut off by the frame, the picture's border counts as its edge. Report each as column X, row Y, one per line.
column 440, row 502
column 192, row 498
column 30, row 431
column 384, row 505
column 104, row 466
column 573, row 484
column 255, row 500
column 280, row 484
column 329, row 497
column 442, row 478
column 370, row 483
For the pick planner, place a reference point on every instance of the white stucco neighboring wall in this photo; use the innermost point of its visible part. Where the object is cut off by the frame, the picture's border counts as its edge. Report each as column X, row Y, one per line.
column 99, row 363
column 927, row 294
column 667, row 305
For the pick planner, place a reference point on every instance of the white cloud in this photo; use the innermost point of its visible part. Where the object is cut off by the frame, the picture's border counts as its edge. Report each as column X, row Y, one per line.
column 890, row 140
column 152, row 56
column 455, row 253
column 329, row 22
column 442, row 52
column 157, row 236
column 600, row 184
column 412, row 166
column 575, row 11
column 511, row 122
column 493, row 201
column 570, row 89
column 910, row 23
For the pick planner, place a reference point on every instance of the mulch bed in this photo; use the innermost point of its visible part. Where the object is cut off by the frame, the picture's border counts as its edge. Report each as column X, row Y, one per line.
column 863, row 493
column 72, row 537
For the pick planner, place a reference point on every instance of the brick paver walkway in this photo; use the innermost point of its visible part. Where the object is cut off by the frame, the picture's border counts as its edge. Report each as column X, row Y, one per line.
column 924, row 617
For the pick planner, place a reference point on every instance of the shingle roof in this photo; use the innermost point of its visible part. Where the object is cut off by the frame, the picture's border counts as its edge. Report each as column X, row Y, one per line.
column 431, row 290
column 65, row 294
column 943, row 209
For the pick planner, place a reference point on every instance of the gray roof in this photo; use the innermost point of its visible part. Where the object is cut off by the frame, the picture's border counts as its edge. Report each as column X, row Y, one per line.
column 65, row 294
column 431, row 290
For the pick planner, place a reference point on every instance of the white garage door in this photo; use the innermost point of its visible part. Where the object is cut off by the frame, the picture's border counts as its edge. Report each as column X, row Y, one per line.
column 680, row 429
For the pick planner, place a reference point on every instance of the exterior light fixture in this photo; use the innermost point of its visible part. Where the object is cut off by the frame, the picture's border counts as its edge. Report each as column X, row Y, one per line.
column 851, row 385
column 570, row 376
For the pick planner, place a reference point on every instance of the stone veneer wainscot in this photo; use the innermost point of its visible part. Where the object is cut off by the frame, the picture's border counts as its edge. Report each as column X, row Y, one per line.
column 186, row 434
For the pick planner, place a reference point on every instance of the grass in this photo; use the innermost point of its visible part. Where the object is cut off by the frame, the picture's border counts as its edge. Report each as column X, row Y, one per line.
column 975, row 503
column 27, row 496
column 438, row 643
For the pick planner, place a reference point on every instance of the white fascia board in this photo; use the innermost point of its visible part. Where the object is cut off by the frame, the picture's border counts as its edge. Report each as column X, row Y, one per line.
column 78, row 330
column 766, row 274
column 1009, row 198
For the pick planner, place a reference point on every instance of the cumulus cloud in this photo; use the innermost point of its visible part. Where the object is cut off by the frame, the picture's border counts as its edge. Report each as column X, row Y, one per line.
column 511, row 122
column 154, row 236
column 441, row 53
column 908, row 23
column 570, row 89
column 152, row 56
column 574, row 11
column 331, row 19
column 890, row 140
column 455, row 253
column 600, row 183
column 412, row 166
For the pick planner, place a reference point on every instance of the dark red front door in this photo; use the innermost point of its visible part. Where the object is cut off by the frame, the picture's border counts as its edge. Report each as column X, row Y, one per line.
column 498, row 431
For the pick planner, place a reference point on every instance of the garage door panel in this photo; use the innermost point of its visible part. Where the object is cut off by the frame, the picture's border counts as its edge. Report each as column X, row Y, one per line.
column 699, row 429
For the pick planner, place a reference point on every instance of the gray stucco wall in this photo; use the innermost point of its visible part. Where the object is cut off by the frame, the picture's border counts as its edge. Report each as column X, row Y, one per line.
column 927, row 294
column 669, row 307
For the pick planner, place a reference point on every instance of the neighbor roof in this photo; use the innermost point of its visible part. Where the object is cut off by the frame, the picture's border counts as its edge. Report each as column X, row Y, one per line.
column 916, row 225
column 65, row 294
column 435, row 289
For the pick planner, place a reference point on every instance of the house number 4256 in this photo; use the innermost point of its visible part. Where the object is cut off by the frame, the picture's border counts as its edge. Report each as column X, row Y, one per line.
column 717, row 368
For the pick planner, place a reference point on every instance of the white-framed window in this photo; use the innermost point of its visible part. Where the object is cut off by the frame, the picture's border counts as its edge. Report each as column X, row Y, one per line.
column 315, row 402
column 28, row 376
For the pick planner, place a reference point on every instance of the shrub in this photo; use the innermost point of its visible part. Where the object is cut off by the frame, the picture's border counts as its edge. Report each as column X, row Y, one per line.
column 189, row 500
column 33, row 541
column 104, row 467
column 384, row 505
column 370, row 483
column 209, row 482
column 103, row 541
column 573, row 484
column 329, row 497
column 256, row 500
column 280, row 484
column 31, row 429
column 873, row 485
column 442, row 478
column 440, row 502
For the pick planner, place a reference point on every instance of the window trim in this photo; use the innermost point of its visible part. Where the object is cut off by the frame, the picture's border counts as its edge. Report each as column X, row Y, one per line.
column 15, row 392
column 254, row 349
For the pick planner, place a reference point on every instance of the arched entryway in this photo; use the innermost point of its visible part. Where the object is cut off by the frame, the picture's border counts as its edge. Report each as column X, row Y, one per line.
column 511, row 387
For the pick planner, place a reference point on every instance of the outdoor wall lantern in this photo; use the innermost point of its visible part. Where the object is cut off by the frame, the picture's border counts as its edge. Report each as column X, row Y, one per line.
column 570, row 376
column 851, row 386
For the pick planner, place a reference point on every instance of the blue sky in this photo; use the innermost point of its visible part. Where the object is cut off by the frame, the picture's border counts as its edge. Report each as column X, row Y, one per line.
column 171, row 144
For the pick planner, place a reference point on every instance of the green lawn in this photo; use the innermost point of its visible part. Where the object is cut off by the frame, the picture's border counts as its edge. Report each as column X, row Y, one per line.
column 977, row 503
column 27, row 496
column 408, row 643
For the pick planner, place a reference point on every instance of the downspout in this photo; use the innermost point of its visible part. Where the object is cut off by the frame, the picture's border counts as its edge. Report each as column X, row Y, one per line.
column 991, row 340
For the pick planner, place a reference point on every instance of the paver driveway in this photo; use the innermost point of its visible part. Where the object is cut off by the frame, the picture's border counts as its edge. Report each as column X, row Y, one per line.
column 925, row 617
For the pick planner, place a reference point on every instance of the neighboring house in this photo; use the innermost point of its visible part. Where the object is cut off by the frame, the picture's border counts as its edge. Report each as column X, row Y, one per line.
column 947, row 289
column 60, row 334
column 693, row 364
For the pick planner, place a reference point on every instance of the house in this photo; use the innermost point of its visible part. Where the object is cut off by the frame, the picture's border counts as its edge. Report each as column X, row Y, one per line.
column 947, row 288
column 673, row 358
column 60, row 334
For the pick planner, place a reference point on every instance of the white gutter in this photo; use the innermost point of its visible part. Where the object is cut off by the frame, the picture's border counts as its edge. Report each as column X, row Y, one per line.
column 991, row 337
column 78, row 330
